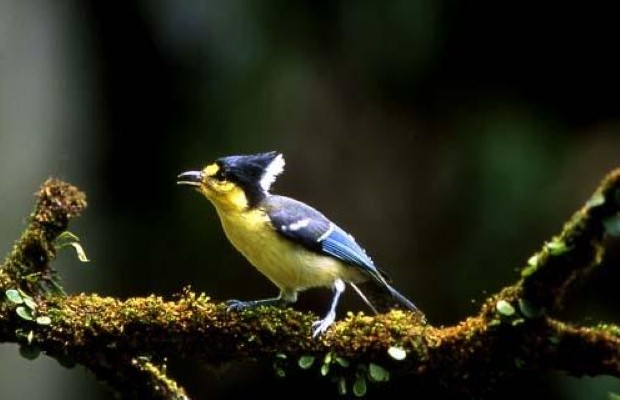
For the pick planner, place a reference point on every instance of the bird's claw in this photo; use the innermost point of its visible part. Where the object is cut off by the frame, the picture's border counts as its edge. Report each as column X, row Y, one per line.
column 237, row 305
column 319, row 327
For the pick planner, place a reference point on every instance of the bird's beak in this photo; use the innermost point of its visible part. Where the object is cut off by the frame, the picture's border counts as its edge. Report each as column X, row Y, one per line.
column 190, row 178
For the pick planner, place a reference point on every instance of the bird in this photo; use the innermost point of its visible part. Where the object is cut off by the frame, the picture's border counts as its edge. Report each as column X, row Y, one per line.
column 295, row 246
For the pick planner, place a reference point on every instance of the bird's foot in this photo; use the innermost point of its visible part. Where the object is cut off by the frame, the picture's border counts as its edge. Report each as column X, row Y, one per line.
column 319, row 327
column 238, row 305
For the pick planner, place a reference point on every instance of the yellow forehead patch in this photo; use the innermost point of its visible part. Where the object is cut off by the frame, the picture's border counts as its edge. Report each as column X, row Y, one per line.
column 211, row 170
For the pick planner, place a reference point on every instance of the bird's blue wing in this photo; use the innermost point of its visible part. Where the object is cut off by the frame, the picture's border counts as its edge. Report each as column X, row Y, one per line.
column 306, row 226
column 297, row 222
column 341, row 245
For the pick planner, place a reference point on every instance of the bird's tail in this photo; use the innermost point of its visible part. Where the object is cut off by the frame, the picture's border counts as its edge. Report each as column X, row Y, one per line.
column 400, row 298
column 381, row 296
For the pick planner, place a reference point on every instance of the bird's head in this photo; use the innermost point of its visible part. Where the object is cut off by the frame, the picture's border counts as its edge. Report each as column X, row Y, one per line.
column 236, row 182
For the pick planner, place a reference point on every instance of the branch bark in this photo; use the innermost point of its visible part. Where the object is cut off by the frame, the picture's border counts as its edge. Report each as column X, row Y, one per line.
column 125, row 343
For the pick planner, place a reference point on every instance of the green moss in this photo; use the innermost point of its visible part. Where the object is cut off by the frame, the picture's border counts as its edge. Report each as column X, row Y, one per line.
column 556, row 247
column 29, row 263
column 611, row 329
column 529, row 270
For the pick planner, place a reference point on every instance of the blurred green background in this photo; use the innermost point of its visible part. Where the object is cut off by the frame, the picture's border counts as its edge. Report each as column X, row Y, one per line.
column 451, row 138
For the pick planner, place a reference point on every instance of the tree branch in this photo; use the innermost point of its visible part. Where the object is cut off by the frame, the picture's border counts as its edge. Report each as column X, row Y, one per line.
column 29, row 263
column 118, row 340
column 572, row 254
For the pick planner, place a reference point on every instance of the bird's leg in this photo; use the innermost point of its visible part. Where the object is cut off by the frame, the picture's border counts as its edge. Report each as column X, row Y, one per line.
column 321, row 326
column 284, row 298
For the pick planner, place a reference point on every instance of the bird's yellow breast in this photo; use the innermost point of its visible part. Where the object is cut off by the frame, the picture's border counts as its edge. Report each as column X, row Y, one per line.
column 288, row 265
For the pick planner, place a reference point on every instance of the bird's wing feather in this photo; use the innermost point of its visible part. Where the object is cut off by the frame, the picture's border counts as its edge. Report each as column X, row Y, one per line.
column 341, row 245
column 306, row 226
column 297, row 222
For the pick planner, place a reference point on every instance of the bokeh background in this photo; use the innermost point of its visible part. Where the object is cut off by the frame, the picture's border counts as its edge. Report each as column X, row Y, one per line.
column 452, row 138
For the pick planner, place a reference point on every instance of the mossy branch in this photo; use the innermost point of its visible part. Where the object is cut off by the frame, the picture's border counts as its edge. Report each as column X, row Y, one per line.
column 28, row 272
column 125, row 343
column 576, row 250
column 132, row 377
column 29, row 263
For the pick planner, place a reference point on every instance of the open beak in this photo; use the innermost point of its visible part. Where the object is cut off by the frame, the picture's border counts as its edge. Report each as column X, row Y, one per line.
column 190, row 178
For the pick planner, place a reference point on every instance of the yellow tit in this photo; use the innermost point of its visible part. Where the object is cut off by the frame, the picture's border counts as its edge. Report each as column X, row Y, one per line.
column 291, row 243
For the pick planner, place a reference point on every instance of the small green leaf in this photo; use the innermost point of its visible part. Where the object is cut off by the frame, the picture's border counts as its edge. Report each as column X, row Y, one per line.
column 613, row 396
column 326, row 363
column 14, row 296
column 597, row 199
column 79, row 250
column 69, row 239
column 24, row 313
column 359, row 387
column 505, row 308
column 31, row 304
column 342, row 386
column 529, row 310
column 29, row 352
column 280, row 373
column 397, row 353
column 30, row 337
column 529, row 270
column 519, row 363
column 612, row 225
column 377, row 373
column 494, row 322
column 67, row 236
column 44, row 320
column 556, row 247
column 306, row 362
column 65, row 360
column 343, row 362
column 532, row 265
column 281, row 356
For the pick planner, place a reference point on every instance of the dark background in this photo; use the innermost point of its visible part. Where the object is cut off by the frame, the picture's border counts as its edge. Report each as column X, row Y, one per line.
column 451, row 138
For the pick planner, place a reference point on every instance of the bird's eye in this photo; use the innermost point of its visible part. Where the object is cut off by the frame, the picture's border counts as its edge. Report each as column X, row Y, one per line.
column 221, row 175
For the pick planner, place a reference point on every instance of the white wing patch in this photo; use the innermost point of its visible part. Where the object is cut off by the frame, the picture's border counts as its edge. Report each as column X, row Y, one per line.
column 327, row 233
column 295, row 226
column 271, row 172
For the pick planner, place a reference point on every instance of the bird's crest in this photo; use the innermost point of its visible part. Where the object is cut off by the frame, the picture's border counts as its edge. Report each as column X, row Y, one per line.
column 271, row 172
column 255, row 173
